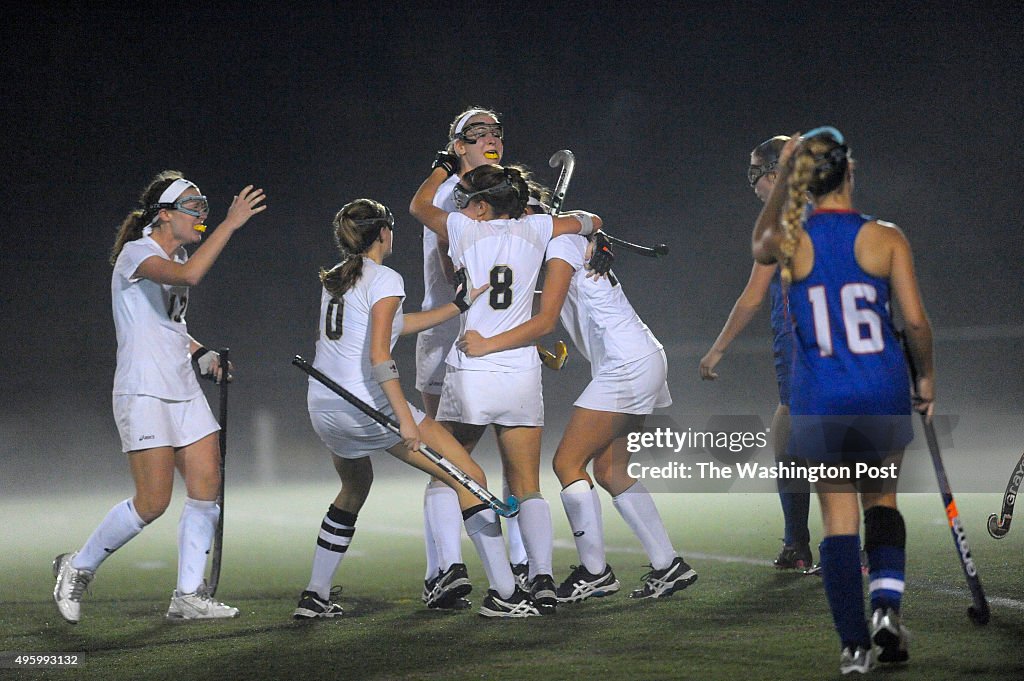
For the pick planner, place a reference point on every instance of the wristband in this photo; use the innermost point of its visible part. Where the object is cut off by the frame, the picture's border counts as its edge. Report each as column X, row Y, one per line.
column 586, row 221
column 385, row 371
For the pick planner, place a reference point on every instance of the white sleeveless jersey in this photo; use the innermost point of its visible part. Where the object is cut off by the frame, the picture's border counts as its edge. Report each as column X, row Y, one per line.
column 437, row 290
column 596, row 314
column 149, row 319
column 343, row 339
column 509, row 255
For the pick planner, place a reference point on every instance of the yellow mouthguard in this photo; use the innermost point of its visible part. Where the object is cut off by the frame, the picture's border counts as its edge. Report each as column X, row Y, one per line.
column 200, row 228
column 490, row 154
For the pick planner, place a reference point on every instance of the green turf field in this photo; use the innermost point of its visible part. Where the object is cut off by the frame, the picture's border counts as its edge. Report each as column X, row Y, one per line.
column 741, row 620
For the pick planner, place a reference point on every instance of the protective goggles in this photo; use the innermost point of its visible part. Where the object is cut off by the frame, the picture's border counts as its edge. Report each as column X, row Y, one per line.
column 475, row 131
column 755, row 173
column 196, row 205
column 462, row 196
column 387, row 217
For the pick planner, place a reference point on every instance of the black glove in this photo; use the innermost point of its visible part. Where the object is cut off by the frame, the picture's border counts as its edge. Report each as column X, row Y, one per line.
column 462, row 290
column 602, row 258
column 447, row 160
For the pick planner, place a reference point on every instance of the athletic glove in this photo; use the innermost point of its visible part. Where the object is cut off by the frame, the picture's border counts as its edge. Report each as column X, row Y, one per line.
column 447, row 160
column 203, row 360
column 602, row 258
column 462, row 290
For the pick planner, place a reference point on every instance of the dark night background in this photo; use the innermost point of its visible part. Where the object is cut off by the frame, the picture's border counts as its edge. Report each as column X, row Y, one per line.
column 320, row 104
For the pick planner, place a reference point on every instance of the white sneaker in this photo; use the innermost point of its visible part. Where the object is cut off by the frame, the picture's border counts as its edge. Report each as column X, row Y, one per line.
column 860, row 660
column 889, row 635
column 197, row 606
column 70, row 586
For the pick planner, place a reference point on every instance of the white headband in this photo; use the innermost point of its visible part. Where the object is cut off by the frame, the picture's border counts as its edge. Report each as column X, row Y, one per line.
column 465, row 117
column 176, row 189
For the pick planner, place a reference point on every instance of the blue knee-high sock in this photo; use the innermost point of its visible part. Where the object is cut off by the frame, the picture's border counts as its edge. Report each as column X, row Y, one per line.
column 844, row 587
column 795, row 496
column 885, row 539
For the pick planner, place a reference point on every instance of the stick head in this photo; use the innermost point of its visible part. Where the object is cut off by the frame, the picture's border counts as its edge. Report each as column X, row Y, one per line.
column 660, row 250
column 997, row 529
column 562, row 157
column 979, row 617
column 509, row 509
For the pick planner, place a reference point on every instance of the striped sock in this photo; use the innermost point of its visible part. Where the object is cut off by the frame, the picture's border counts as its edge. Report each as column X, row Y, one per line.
column 336, row 532
column 885, row 540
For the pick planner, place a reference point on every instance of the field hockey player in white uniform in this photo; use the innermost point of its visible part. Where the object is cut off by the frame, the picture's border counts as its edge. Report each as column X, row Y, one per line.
column 360, row 320
column 475, row 137
column 628, row 381
column 162, row 416
column 495, row 243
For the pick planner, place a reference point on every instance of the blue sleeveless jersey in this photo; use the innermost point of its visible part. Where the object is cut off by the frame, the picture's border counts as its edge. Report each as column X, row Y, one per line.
column 782, row 337
column 848, row 360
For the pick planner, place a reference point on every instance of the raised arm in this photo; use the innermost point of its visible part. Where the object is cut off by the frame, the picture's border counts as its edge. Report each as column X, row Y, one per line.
column 243, row 206
column 556, row 287
column 766, row 240
column 422, row 205
column 743, row 311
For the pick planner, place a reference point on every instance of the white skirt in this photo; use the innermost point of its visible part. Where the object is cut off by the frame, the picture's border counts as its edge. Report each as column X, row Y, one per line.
column 351, row 434
column 145, row 422
column 638, row 387
column 485, row 397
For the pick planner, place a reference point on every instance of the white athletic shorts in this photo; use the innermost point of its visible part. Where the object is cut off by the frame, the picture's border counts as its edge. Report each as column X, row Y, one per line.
column 638, row 387
column 432, row 347
column 351, row 434
column 485, row 397
column 145, row 422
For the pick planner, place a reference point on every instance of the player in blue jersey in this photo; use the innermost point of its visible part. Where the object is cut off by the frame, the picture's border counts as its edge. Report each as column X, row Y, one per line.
column 794, row 494
column 850, row 399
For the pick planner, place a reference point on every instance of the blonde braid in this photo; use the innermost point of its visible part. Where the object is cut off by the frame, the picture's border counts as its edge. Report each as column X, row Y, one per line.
column 794, row 214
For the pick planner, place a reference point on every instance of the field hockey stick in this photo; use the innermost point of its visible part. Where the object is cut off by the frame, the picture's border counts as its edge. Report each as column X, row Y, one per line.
column 211, row 584
column 655, row 251
column 567, row 160
column 979, row 611
column 999, row 525
column 507, row 508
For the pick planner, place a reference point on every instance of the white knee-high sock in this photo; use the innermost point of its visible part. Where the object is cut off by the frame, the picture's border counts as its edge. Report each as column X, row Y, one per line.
column 336, row 531
column 428, row 540
column 195, row 534
column 638, row 510
column 441, row 507
column 535, row 525
column 516, row 548
column 484, row 530
column 119, row 525
column 585, row 521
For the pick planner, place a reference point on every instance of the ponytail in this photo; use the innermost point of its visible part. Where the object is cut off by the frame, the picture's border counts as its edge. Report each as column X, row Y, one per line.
column 136, row 221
